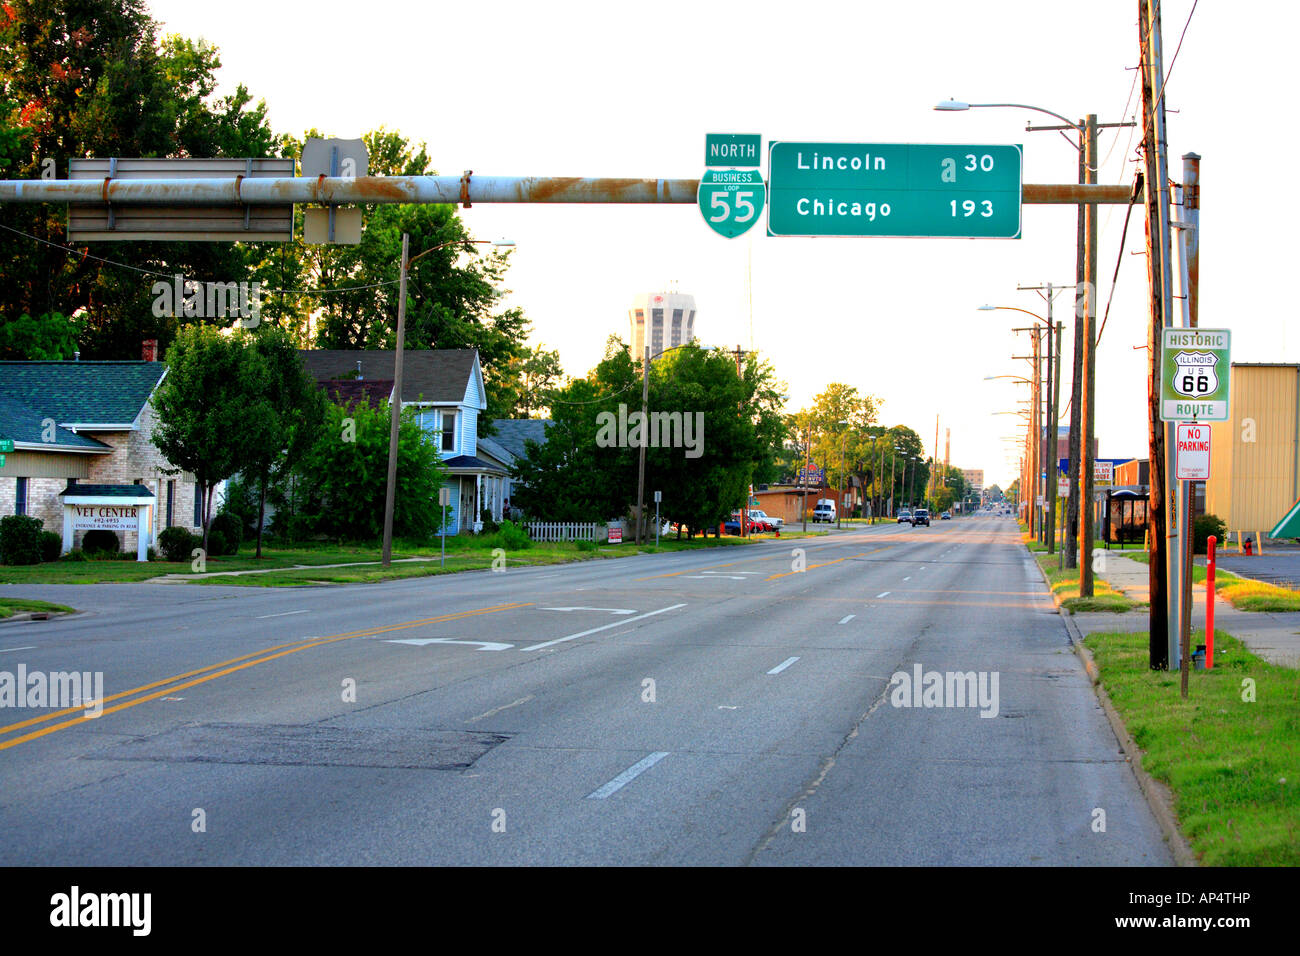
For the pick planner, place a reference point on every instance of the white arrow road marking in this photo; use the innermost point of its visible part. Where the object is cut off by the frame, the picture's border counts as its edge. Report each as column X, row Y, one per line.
column 883, row 594
column 421, row 641
column 784, row 664
column 848, row 618
column 611, row 610
column 604, row 627
column 628, row 775
column 6, row 650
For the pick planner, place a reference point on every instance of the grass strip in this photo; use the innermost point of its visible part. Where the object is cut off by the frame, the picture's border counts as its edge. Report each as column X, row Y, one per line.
column 1230, row 753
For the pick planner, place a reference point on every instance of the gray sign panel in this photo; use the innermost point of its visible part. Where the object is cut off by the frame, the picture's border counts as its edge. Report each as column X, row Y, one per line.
column 103, row 222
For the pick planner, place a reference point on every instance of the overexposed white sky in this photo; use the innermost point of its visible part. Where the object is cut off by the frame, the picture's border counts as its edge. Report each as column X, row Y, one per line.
column 610, row 89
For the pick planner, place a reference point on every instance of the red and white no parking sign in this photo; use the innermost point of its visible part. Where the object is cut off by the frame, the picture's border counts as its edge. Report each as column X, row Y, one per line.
column 1193, row 457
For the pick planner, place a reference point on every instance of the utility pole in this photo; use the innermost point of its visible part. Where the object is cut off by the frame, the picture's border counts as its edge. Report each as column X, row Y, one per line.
column 1088, row 413
column 744, row 508
column 1156, row 175
column 934, row 463
column 640, row 469
column 395, row 411
column 1188, row 226
column 1053, row 403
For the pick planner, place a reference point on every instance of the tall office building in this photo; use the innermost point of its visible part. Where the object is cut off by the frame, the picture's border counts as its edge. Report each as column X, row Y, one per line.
column 661, row 320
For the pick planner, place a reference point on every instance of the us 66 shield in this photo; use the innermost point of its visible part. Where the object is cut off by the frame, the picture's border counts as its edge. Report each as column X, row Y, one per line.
column 731, row 200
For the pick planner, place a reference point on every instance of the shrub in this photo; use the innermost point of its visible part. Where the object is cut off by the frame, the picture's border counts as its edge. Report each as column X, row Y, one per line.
column 217, row 543
column 20, row 539
column 1202, row 528
column 177, row 544
column 585, row 545
column 76, row 554
column 100, row 541
column 489, row 526
column 51, row 546
column 513, row 537
column 241, row 501
column 232, row 534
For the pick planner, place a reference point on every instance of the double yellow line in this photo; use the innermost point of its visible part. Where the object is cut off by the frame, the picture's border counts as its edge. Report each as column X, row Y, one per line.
column 213, row 671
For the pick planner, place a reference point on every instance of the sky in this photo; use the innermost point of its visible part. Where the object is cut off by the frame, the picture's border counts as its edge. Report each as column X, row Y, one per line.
column 611, row 89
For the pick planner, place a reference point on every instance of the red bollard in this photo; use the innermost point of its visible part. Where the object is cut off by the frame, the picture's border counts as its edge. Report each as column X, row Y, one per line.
column 1209, row 601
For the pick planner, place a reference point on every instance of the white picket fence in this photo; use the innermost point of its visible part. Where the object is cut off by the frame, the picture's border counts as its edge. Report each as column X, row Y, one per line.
column 567, row 530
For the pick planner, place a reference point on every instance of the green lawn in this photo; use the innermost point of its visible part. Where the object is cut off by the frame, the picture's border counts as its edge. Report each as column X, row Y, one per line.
column 464, row 552
column 1243, row 594
column 11, row 606
column 1233, row 765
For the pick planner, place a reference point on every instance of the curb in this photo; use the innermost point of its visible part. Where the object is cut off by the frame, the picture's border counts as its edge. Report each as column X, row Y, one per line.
column 1157, row 795
column 22, row 617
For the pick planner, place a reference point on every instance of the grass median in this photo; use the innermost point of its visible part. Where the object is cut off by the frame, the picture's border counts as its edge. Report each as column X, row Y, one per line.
column 1229, row 753
column 1064, row 583
column 11, row 606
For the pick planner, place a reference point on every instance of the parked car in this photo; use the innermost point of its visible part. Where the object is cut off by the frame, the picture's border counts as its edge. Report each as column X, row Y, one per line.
column 732, row 525
column 921, row 516
column 825, row 511
column 763, row 516
column 905, row 517
column 945, row 517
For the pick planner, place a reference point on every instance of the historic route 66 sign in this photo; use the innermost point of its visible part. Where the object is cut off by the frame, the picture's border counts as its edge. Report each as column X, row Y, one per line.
column 1195, row 380
column 1194, row 374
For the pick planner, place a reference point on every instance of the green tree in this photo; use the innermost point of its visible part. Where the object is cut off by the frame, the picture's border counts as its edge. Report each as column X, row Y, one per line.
column 46, row 338
column 529, row 380
column 342, row 479
column 212, row 407
column 297, row 413
column 93, row 78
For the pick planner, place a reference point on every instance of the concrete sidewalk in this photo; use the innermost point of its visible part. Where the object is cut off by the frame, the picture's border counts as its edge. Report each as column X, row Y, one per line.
column 1274, row 637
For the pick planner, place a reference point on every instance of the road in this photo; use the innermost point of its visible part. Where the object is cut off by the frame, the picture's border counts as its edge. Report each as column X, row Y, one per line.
column 716, row 707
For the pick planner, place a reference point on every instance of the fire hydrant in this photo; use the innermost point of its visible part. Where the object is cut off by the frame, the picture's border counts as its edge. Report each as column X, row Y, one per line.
column 1250, row 547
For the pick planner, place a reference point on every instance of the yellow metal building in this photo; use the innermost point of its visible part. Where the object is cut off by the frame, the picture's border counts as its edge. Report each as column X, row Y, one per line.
column 1255, row 456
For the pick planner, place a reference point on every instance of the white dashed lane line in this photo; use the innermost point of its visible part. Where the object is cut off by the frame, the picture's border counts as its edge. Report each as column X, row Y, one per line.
column 628, row 775
column 783, row 665
column 883, row 594
column 848, row 618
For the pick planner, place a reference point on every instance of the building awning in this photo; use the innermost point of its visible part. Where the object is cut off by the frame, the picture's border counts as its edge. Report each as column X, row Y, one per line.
column 1289, row 526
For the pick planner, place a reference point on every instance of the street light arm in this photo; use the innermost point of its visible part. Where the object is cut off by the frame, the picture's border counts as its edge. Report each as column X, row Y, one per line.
column 453, row 242
column 1073, row 124
column 1012, row 308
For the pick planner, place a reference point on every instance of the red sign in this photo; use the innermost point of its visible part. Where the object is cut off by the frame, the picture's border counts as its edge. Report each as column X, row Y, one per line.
column 615, row 534
column 1193, row 459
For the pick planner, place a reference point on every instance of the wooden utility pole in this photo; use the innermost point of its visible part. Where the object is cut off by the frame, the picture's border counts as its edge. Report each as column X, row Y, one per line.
column 1070, row 553
column 1156, row 177
column 1088, row 413
column 645, row 436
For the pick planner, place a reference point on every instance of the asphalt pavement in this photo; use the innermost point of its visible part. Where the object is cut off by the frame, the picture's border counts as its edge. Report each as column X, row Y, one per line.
column 718, row 707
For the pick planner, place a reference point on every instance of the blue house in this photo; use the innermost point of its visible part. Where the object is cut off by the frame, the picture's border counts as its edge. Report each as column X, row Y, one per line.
column 446, row 386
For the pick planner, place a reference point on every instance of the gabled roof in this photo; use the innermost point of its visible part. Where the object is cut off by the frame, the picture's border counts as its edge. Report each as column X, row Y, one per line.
column 513, row 433
column 82, row 393
column 107, row 491
column 486, row 446
column 23, row 424
column 428, row 375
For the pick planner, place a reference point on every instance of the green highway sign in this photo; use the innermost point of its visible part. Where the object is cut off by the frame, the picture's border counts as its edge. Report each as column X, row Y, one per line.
column 6, row 444
column 731, row 200
column 894, row 189
column 732, row 149
column 1195, row 372
column 2, row 461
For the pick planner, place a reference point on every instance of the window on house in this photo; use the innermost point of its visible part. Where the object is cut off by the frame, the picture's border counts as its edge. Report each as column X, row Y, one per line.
column 20, row 497
column 198, row 506
column 448, row 431
column 171, row 502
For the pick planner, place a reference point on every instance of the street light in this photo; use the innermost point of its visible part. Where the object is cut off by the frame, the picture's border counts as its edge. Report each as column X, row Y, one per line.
column 1083, row 390
column 396, row 406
